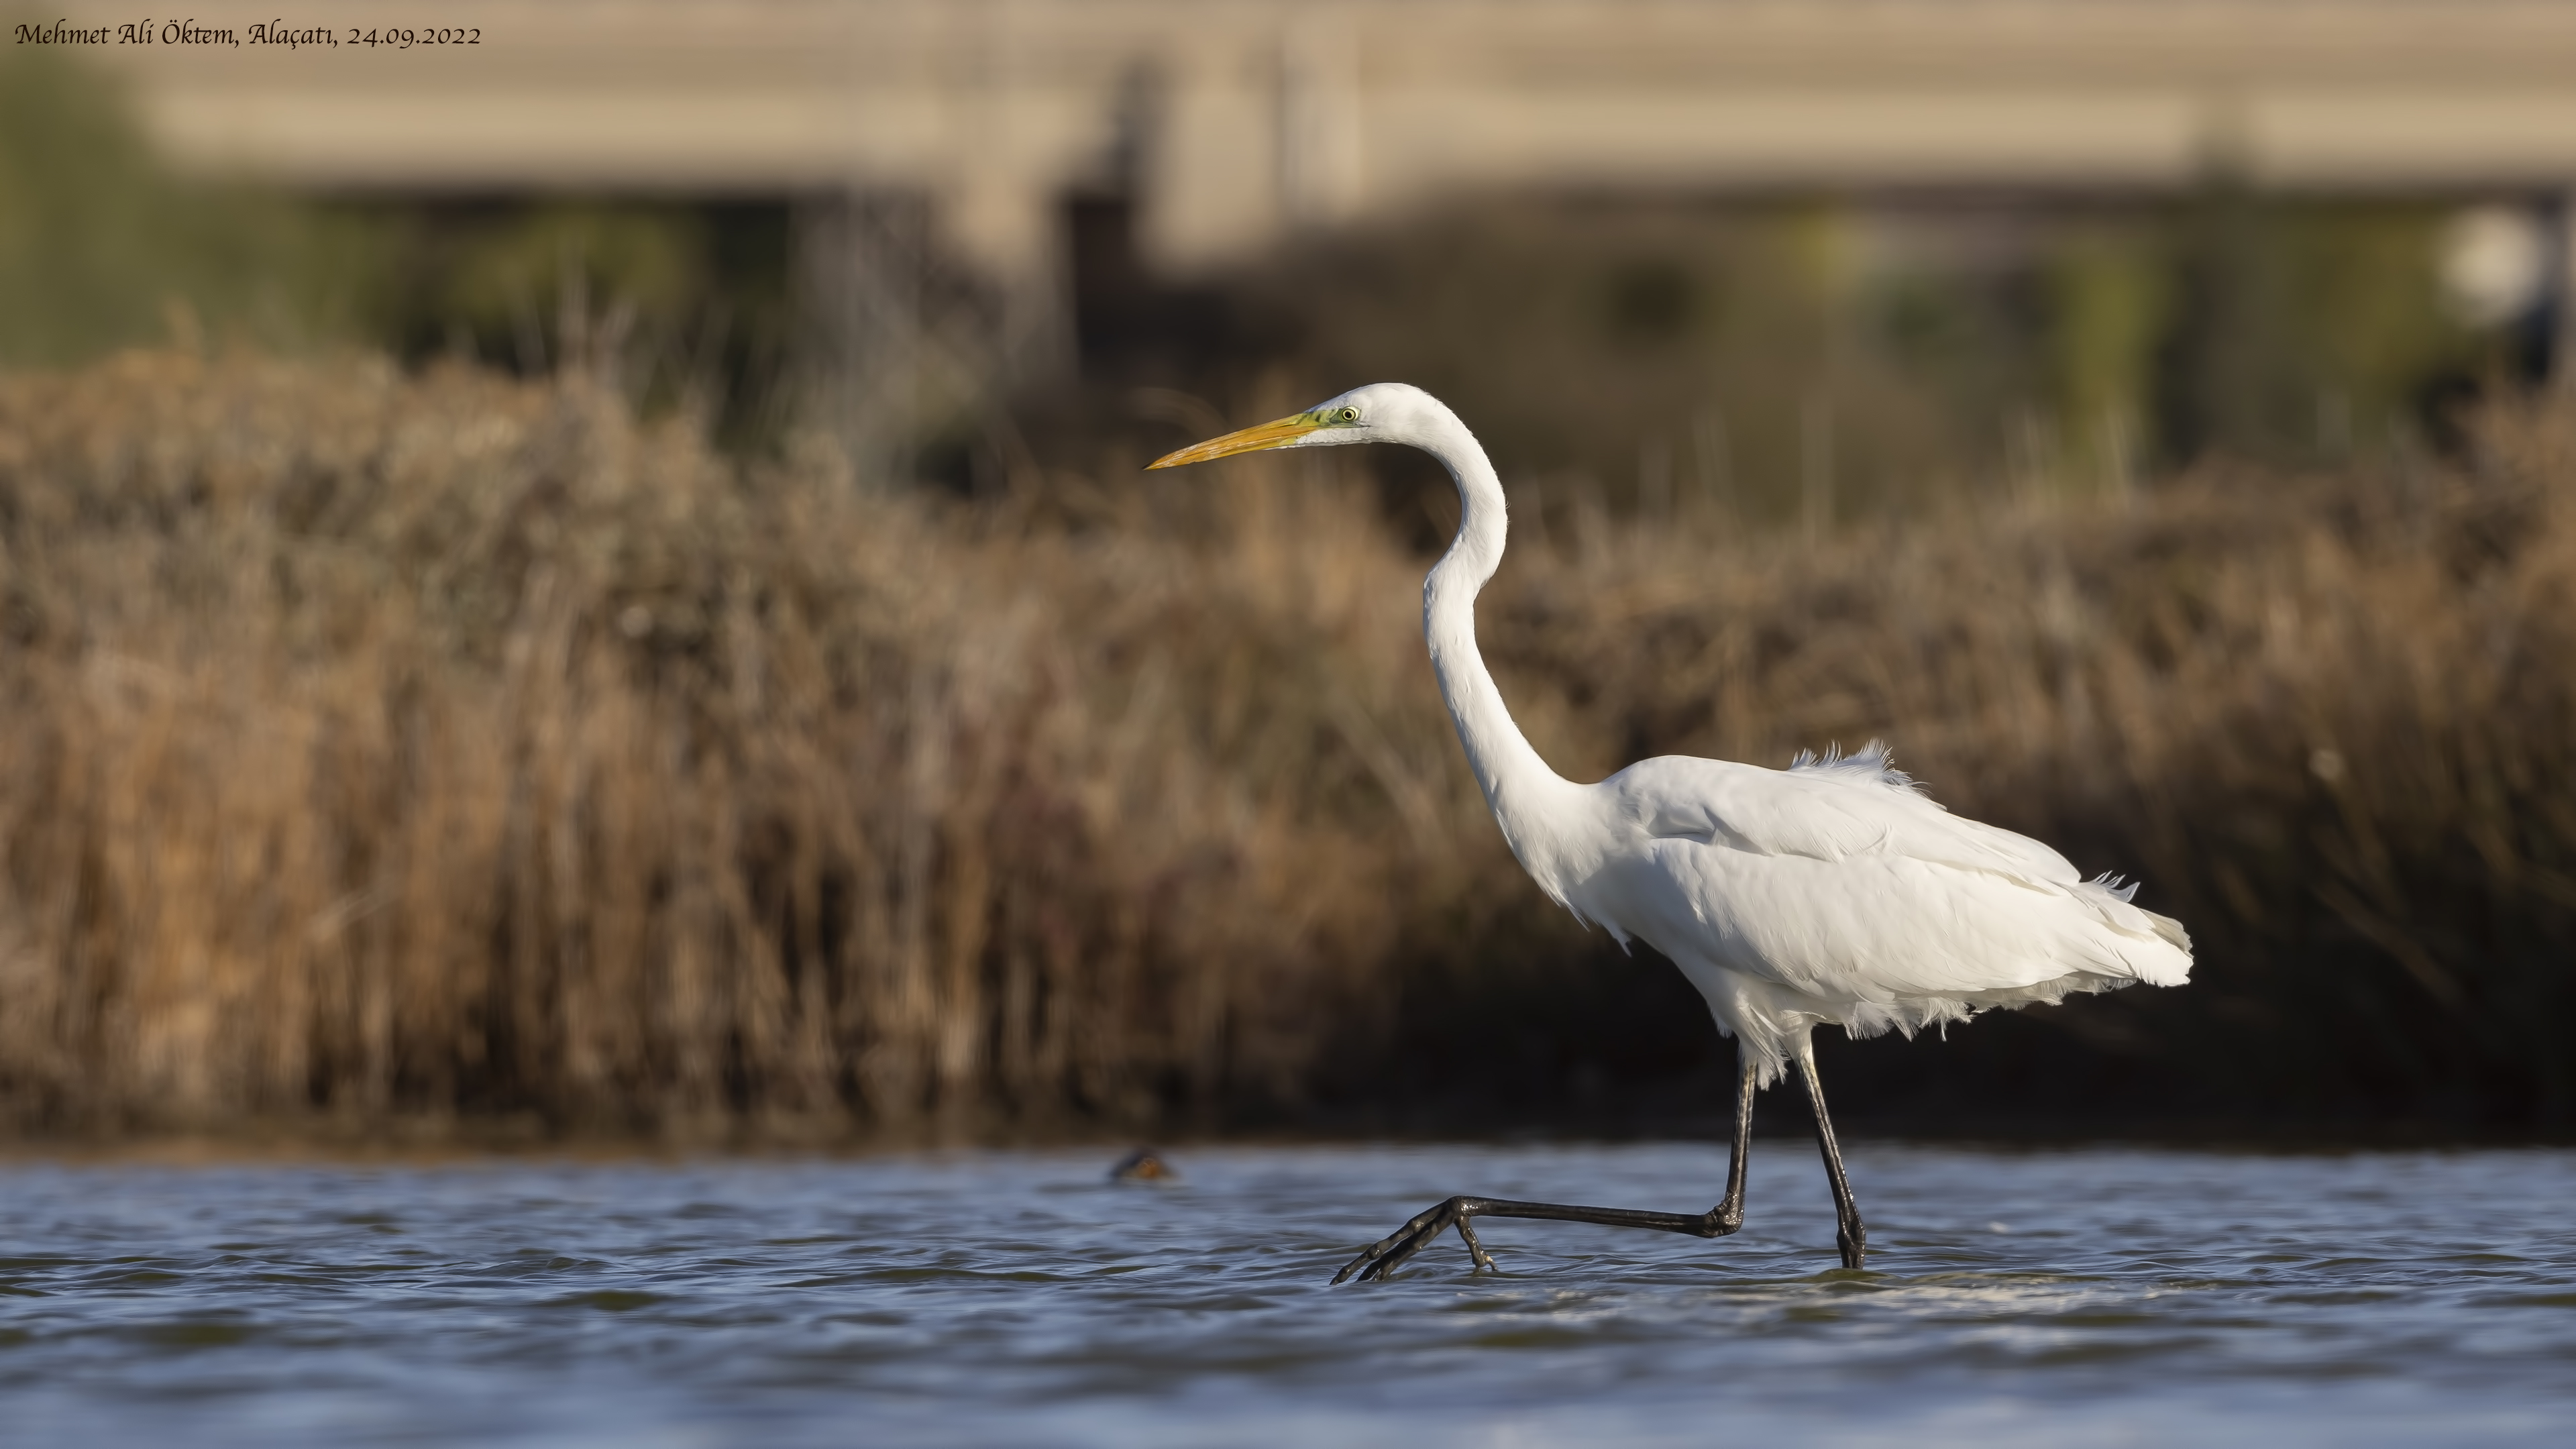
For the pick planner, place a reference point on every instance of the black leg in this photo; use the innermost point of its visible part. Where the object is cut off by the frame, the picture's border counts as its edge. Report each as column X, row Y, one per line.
column 1391, row 1252
column 1850, row 1234
column 1730, row 1209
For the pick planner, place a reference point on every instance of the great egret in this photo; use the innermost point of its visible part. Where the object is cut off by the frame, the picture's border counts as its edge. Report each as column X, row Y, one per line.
column 1833, row 891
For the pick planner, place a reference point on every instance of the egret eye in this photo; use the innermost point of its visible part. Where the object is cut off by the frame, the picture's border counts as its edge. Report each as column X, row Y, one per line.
column 1346, row 415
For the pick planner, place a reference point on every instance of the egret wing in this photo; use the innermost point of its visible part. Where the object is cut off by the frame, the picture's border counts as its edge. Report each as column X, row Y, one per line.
column 1842, row 881
column 1830, row 810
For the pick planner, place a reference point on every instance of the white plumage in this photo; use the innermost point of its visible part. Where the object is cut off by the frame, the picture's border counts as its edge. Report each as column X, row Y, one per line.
column 1833, row 891
column 1836, row 891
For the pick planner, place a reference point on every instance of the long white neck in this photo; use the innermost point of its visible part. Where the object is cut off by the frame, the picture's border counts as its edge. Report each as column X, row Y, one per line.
column 1528, row 798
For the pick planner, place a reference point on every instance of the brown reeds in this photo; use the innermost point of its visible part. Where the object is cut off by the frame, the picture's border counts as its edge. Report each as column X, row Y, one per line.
column 379, row 747
column 381, row 750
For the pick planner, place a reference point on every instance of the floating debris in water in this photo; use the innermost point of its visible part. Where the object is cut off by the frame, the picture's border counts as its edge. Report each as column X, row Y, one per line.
column 1143, row 1165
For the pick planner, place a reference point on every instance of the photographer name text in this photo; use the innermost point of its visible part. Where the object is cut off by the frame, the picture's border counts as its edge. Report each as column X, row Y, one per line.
column 274, row 33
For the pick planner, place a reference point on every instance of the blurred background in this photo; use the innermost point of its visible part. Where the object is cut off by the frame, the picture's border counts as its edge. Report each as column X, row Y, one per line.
column 598, row 580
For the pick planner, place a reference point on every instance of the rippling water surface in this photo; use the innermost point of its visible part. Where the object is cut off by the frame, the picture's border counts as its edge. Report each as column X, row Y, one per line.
column 2093, row 1296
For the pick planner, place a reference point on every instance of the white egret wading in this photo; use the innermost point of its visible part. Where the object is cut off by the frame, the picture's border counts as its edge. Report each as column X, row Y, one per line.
column 1833, row 891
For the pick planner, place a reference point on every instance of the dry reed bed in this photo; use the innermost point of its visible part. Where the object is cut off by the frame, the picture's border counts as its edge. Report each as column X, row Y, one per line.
column 381, row 747
column 418, row 750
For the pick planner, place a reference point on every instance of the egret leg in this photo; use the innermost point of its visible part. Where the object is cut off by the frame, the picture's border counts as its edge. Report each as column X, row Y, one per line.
column 1850, row 1234
column 1391, row 1252
column 1730, row 1208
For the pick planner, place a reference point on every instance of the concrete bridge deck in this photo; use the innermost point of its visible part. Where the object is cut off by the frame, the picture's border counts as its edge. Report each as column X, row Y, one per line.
column 1236, row 120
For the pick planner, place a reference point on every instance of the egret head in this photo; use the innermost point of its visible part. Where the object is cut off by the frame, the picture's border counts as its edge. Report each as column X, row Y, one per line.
column 1382, row 412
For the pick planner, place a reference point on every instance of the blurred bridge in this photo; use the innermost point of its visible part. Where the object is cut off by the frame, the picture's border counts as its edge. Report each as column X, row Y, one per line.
column 976, row 179
column 1233, row 121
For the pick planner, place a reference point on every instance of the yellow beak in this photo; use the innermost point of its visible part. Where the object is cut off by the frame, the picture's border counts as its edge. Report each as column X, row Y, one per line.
column 1248, row 440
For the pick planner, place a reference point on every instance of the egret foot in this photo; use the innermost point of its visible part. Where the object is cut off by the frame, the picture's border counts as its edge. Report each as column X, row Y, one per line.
column 1853, row 1242
column 1419, row 1232
column 1475, row 1250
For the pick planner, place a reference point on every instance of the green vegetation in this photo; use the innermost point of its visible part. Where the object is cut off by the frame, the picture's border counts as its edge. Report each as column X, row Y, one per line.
column 1894, row 360
column 679, row 306
column 676, row 306
column 100, row 247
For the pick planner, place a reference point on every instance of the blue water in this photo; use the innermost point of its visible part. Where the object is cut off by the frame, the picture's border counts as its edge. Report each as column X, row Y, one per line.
column 2046, row 1298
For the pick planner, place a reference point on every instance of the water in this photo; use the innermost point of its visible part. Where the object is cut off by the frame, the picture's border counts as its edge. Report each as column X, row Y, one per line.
column 2079, row 1297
